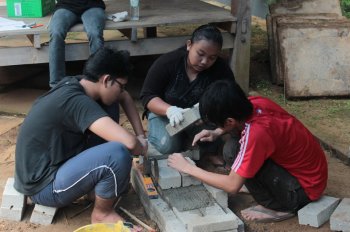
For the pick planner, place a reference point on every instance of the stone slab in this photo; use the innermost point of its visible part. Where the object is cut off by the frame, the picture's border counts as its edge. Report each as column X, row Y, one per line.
column 191, row 116
column 219, row 195
column 315, row 58
column 210, row 219
column 188, row 198
column 318, row 212
column 306, row 7
column 43, row 215
column 272, row 23
column 340, row 219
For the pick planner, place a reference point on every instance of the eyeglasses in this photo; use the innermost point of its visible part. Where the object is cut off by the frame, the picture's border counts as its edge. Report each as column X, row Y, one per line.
column 122, row 86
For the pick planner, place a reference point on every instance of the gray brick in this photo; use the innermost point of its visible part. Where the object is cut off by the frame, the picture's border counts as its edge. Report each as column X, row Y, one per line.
column 187, row 180
column 43, row 215
column 318, row 212
column 191, row 116
column 168, row 177
column 219, row 195
column 11, row 198
column 13, row 214
column 340, row 219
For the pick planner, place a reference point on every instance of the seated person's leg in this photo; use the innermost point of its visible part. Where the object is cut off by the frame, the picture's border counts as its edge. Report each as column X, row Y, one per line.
column 62, row 20
column 159, row 137
column 276, row 191
column 103, row 169
column 94, row 22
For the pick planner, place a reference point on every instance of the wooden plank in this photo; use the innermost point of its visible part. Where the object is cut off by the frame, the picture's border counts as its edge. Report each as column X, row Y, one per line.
column 80, row 51
column 152, row 14
column 240, row 60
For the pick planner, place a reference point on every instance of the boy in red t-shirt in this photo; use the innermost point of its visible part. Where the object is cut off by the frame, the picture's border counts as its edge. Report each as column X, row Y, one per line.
column 280, row 161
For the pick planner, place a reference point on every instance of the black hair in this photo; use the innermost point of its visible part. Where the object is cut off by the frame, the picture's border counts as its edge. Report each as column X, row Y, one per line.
column 107, row 61
column 224, row 99
column 207, row 32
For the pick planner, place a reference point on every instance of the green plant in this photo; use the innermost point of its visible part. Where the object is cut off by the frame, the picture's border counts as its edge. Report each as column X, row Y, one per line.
column 345, row 6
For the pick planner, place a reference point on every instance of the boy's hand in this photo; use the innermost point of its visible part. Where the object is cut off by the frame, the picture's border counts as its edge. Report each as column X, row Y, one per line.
column 144, row 142
column 178, row 162
column 205, row 136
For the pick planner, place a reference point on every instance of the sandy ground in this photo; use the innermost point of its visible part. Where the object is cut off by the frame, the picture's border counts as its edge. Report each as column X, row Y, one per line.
column 338, row 186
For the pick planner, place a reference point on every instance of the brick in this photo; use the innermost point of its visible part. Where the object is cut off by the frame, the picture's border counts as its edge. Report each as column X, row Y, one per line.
column 340, row 219
column 168, row 177
column 318, row 212
column 191, row 116
column 187, row 180
column 13, row 214
column 11, row 198
column 13, row 203
column 43, row 215
column 210, row 219
column 219, row 195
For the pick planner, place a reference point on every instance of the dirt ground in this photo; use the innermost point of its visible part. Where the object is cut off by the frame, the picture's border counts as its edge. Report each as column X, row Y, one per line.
column 329, row 117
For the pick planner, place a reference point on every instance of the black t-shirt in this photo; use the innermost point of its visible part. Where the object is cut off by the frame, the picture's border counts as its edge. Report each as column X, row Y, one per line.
column 52, row 132
column 168, row 80
column 79, row 6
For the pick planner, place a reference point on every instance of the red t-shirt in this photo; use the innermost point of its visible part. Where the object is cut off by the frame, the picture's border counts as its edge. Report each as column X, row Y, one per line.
column 273, row 133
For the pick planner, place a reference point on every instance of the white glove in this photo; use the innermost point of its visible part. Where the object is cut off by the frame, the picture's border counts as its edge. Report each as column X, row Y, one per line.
column 118, row 17
column 174, row 115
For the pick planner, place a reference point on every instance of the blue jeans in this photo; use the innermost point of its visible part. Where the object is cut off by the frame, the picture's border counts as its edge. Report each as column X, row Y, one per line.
column 159, row 137
column 61, row 22
column 104, row 169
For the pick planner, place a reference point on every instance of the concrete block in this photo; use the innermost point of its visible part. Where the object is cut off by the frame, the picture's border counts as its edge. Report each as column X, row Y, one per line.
column 318, row 212
column 43, row 215
column 191, row 116
column 13, row 214
column 187, row 180
column 168, row 177
column 340, row 219
column 210, row 219
column 219, row 195
column 11, row 198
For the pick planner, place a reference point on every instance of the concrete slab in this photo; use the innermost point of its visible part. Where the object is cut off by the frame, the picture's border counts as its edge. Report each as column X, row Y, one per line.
column 219, row 195
column 315, row 58
column 210, row 219
column 318, row 212
column 188, row 198
column 306, row 7
column 340, row 219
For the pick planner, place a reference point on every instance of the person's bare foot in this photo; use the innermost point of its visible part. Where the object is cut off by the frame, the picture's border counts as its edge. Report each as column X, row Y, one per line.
column 259, row 213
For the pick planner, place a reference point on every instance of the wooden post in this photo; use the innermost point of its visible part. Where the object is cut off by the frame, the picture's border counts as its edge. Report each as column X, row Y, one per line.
column 240, row 59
